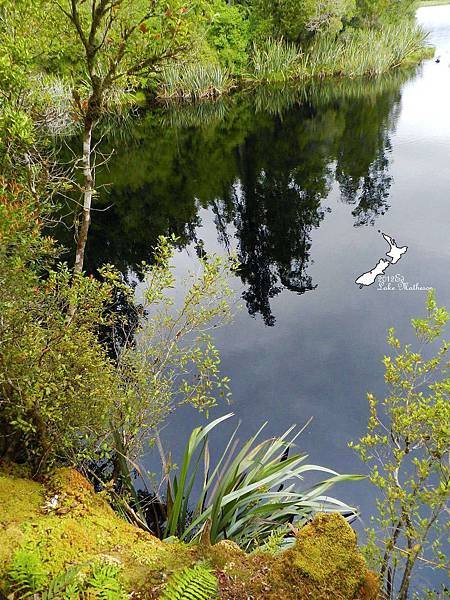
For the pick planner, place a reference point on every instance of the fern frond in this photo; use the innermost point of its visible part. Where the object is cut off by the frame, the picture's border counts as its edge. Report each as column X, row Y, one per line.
column 63, row 586
column 105, row 581
column 192, row 583
column 27, row 573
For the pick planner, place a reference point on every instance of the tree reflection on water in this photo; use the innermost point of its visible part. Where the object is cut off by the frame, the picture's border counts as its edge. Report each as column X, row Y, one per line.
column 263, row 163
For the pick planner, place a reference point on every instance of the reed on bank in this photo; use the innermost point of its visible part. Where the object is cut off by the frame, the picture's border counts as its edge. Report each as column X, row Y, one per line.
column 366, row 52
column 354, row 53
column 194, row 81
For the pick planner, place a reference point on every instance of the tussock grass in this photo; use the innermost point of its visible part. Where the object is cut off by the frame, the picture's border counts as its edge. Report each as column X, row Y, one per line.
column 365, row 52
column 193, row 81
column 355, row 53
column 275, row 61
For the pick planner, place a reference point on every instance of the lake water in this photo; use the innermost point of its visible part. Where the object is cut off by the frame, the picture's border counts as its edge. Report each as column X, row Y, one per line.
column 298, row 183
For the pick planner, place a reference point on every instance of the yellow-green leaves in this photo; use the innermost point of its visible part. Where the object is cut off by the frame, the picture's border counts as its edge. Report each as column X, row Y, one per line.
column 174, row 360
column 407, row 447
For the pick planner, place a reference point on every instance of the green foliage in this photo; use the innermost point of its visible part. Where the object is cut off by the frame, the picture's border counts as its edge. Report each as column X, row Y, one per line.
column 365, row 52
column 16, row 127
column 354, row 53
column 275, row 542
column 34, row 24
column 57, row 385
column 376, row 13
column 192, row 583
column 298, row 20
column 64, row 586
column 123, row 44
column 62, row 397
column 229, row 34
column 175, row 361
column 249, row 492
column 407, row 448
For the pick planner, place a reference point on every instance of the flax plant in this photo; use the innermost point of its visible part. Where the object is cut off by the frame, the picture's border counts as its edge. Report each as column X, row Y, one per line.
column 250, row 492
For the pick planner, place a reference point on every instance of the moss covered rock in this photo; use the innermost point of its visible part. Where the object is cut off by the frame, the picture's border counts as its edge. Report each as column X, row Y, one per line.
column 66, row 523
column 325, row 560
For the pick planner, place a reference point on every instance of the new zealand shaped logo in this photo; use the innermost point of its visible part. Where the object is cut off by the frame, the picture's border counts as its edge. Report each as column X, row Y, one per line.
column 395, row 253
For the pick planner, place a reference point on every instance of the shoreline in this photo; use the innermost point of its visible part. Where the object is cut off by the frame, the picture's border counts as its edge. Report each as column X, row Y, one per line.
column 243, row 84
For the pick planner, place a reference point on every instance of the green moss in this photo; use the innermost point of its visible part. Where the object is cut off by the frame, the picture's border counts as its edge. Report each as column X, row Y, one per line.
column 20, row 501
column 83, row 529
column 325, row 559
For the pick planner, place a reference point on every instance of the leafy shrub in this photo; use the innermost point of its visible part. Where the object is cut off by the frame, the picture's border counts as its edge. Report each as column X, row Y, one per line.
column 297, row 20
column 16, row 126
column 62, row 398
column 228, row 34
column 378, row 13
column 192, row 583
column 57, row 385
column 406, row 446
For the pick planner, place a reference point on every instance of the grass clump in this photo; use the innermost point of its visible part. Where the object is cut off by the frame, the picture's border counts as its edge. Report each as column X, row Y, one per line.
column 366, row 52
column 275, row 61
column 187, row 81
column 353, row 53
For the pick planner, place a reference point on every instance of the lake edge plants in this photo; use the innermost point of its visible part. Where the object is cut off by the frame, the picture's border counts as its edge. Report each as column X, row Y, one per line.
column 407, row 448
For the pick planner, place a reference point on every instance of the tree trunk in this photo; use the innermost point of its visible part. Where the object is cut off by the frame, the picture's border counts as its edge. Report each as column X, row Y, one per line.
column 88, row 190
column 404, row 587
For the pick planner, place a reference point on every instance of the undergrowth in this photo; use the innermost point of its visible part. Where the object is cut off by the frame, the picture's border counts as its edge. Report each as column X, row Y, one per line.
column 28, row 577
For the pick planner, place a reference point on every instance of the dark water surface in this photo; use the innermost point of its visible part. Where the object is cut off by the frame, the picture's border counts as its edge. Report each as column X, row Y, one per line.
column 298, row 184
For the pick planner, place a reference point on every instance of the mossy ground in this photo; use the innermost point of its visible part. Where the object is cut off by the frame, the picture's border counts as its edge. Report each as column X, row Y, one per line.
column 324, row 564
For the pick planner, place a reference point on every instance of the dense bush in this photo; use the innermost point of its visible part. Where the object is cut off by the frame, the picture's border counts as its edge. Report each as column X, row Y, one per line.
column 62, row 397
column 57, row 385
column 375, row 13
column 229, row 34
column 299, row 20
